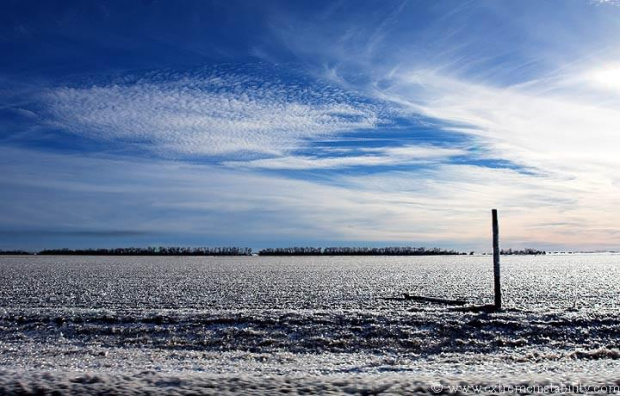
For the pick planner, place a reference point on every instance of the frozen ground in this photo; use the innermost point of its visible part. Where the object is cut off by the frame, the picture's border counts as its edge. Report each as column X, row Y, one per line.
column 306, row 325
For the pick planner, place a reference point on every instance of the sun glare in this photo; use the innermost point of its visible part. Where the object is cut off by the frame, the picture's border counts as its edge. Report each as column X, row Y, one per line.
column 607, row 77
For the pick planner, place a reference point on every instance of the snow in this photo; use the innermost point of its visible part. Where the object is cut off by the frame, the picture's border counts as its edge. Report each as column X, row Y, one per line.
column 302, row 325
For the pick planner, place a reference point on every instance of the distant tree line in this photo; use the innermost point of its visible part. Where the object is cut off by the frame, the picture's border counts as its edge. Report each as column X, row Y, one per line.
column 238, row 251
column 152, row 251
column 356, row 251
column 14, row 253
column 522, row 252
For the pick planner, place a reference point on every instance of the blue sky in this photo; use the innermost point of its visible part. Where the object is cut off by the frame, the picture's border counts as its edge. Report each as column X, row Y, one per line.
column 279, row 123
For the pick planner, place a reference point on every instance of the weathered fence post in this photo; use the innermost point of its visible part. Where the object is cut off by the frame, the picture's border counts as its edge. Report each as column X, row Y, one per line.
column 496, row 273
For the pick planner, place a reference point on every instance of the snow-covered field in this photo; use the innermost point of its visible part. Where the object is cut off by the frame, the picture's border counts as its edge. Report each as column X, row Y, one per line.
column 122, row 325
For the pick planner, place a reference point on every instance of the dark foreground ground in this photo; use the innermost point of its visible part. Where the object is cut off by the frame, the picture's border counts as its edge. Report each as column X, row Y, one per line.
column 152, row 383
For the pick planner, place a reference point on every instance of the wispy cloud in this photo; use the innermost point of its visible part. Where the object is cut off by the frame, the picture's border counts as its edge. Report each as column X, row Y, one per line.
column 387, row 156
column 208, row 113
column 550, row 127
column 548, row 132
column 523, row 116
column 447, row 204
column 539, row 93
column 606, row 2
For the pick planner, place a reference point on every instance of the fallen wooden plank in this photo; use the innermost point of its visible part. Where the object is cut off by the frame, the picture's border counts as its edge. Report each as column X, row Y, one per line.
column 434, row 300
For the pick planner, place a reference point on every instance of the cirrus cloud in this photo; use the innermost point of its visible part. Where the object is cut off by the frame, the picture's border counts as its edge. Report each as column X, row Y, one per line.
column 208, row 114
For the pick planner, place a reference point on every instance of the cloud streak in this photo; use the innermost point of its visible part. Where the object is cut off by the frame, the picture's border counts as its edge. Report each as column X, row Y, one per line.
column 547, row 132
column 390, row 156
column 208, row 113
column 399, row 123
column 167, row 200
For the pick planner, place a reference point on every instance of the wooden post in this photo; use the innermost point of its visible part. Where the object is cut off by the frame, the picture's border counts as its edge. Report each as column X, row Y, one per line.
column 496, row 274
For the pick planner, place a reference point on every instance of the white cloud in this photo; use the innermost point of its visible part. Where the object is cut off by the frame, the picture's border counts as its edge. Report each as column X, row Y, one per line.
column 552, row 128
column 606, row 2
column 449, row 203
column 208, row 114
column 547, row 132
column 605, row 77
column 568, row 143
column 457, row 66
column 389, row 156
